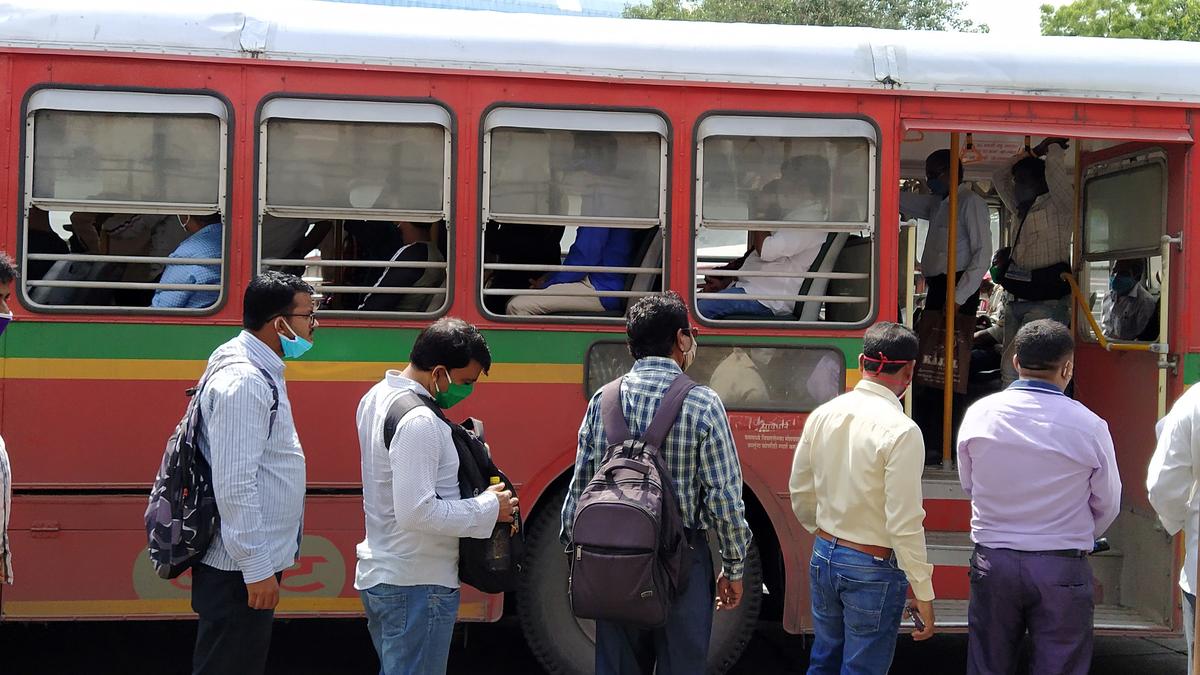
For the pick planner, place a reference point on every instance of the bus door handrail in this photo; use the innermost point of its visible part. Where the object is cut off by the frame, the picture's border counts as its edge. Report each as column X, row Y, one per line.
column 1105, row 343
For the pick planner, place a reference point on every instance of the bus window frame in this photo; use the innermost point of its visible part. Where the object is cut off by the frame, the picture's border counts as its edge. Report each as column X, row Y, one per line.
column 777, row 120
column 334, row 102
column 126, row 95
column 721, row 342
column 549, row 112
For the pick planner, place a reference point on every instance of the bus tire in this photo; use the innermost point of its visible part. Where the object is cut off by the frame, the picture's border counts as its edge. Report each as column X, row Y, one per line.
column 566, row 646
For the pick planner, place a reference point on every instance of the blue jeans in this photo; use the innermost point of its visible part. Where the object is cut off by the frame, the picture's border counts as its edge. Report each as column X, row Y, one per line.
column 411, row 627
column 857, row 601
column 712, row 308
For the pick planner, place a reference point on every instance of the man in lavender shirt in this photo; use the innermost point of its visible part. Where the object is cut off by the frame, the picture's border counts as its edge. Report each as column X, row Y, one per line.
column 1042, row 477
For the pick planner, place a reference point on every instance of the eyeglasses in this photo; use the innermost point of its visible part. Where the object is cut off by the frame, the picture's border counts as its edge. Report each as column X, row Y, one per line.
column 311, row 316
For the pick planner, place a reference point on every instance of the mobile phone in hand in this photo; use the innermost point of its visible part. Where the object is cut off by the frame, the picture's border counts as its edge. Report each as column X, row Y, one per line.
column 915, row 616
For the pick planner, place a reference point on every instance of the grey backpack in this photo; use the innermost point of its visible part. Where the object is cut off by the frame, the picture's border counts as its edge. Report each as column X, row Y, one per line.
column 182, row 516
column 629, row 555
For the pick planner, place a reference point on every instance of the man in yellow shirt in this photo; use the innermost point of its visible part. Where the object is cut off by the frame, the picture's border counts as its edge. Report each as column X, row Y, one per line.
column 856, row 484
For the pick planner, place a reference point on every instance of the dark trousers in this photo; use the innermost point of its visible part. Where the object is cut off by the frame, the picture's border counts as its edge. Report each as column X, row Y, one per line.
column 231, row 638
column 935, row 296
column 1013, row 592
column 678, row 648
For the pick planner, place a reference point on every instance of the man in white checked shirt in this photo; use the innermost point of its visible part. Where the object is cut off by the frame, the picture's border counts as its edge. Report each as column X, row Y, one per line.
column 8, row 276
column 258, row 476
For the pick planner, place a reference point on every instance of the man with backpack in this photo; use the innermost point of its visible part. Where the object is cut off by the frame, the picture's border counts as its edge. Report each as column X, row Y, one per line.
column 652, row 594
column 408, row 565
column 249, row 440
column 856, row 485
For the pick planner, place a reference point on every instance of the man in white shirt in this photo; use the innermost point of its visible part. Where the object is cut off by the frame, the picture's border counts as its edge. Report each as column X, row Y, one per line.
column 8, row 277
column 974, row 248
column 803, row 194
column 1129, row 306
column 856, row 485
column 1175, row 492
column 407, row 570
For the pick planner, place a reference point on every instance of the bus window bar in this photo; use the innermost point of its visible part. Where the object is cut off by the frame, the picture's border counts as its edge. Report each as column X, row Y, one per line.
column 784, row 275
column 581, row 221
column 116, row 206
column 384, row 290
column 571, row 268
column 317, row 213
column 565, row 294
column 132, row 259
column 839, row 299
column 123, row 285
column 388, row 264
column 761, row 225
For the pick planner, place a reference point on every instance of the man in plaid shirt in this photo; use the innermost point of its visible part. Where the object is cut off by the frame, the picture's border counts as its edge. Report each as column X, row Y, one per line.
column 704, row 467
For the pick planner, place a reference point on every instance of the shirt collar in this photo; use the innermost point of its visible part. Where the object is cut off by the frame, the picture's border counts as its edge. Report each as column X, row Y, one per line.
column 1035, row 385
column 656, row 363
column 879, row 390
column 261, row 355
column 397, row 380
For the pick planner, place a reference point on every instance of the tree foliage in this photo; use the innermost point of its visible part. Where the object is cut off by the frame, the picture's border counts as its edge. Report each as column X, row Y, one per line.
column 899, row 14
column 1151, row 19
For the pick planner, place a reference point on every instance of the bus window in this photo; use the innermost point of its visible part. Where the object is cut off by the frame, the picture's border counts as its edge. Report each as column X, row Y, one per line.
column 124, row 201
column 573, row 211
column 1124, row 218
column 355, row 195
column 784, row 228
column 760, row 378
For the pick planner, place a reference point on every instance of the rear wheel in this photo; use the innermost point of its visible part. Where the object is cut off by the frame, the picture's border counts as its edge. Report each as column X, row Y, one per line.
column 566, row 645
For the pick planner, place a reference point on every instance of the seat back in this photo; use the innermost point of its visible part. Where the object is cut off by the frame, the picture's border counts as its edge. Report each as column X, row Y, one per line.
column 649, row 253
column 810, row 310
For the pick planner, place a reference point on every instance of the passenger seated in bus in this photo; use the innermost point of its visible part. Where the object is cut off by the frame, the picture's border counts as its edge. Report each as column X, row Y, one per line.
column 1129, row 306
column 974, row 234
column 418, row 247
column 139, row 235
column 803, row 194
column 291, row 239
column 85, row 235
column 593, row 247
column 42, row 239
column 204, row 241
column 364, row 240
column 737, row 379
column 518, row 244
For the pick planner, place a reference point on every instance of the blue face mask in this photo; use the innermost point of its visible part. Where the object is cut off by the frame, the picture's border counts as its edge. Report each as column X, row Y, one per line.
column 938, row 186
column 1122, row 285
column 293, row 347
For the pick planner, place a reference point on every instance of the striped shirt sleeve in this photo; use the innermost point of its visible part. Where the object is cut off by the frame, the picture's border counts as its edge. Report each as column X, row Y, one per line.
column 721, row 475
column 6, row 576
column 236, row 422
column 587, row 455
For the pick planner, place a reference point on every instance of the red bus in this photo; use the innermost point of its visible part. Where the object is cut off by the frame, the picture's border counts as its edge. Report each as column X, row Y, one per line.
column 311, row 131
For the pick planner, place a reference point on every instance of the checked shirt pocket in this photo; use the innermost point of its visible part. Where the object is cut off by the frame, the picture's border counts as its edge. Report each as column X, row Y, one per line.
column 863, row 603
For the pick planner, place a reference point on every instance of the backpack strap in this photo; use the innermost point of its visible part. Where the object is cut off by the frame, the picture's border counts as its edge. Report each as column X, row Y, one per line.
column 193, row 392
column 668, row 410
column 616, row 430
column 401, row 406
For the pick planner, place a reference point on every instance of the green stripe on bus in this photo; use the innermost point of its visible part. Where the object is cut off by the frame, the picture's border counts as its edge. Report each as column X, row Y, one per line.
column 43, row 340
column 1191, row 369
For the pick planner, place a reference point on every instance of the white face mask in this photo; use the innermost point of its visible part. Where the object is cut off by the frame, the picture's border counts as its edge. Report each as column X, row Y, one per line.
column 689, row 357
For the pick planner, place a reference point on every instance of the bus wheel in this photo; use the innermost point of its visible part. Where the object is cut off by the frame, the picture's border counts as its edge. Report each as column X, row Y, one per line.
column 565, row 645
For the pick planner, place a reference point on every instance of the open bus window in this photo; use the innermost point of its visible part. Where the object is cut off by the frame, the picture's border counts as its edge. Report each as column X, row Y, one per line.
column 573, row 211
column 765, row 378
column 1124, row 218
column 355, row 196
column 124, row 201
column 784, row 230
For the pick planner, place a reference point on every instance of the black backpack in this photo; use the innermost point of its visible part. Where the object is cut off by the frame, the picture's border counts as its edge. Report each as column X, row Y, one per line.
column 182, row 518
column 475, row 468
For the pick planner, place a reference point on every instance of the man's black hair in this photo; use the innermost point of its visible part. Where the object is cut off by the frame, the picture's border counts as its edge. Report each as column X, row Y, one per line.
column 450, row 342
column 1134, row 267
column 653, row 323
column 1043, row 345
column 269, row 295
column 208, row 218
column 891, row 342
column 8, row 269
column 939, row 161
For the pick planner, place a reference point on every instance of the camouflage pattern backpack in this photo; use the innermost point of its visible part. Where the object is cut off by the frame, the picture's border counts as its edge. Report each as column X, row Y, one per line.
column 181, row 518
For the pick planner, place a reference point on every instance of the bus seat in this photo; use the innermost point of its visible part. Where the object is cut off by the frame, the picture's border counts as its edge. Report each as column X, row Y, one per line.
column 648, row 252
column 808, row 310
column 856, row 256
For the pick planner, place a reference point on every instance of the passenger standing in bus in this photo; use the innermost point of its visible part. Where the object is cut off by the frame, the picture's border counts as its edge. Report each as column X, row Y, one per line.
column 1042, row 476
column 702, row 459
column 8, row 278
column 856, row 485
column 1040, row 195
column 407, row 571
column 1175, row 494
column 204, row 241
column 258, row 477
column 802, row 194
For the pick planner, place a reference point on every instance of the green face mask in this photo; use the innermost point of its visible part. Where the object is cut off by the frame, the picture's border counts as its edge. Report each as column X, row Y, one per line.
column 454, row 393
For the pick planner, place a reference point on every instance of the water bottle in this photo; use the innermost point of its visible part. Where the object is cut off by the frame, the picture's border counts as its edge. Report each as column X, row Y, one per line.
column 498, row 550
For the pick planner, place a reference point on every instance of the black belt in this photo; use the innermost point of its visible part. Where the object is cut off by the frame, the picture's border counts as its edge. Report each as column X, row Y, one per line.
column 1061, row 553
column 695, row 536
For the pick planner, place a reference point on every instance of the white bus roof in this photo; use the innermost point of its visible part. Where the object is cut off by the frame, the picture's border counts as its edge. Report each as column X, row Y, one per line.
column 859, row 58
